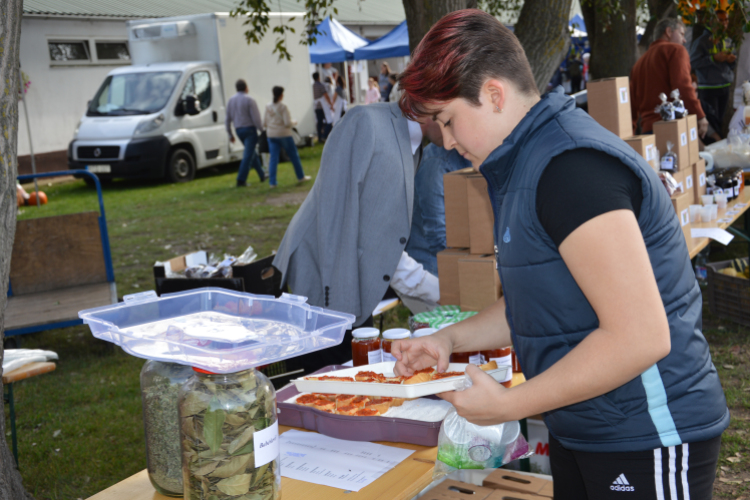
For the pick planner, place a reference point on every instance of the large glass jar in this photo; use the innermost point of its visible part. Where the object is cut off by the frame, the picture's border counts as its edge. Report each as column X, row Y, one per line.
column 230, row 437
column 160, row 388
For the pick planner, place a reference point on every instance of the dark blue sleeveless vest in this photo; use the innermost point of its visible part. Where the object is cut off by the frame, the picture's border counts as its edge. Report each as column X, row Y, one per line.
column 677, row 400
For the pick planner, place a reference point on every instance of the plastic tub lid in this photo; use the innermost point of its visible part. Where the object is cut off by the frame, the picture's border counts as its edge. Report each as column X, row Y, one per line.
column 217, row 330
column 396, row 333
column 423, row 332
column 365, row 333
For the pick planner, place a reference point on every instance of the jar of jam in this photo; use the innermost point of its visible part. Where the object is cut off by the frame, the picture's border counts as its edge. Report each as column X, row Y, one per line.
column 366, row 346
column 475, row 358
column 502, row 357
column 388, row 337
column 516, row 364
column 423, row 332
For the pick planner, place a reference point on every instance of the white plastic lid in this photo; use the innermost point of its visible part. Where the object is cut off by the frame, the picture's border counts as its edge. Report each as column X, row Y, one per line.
column 396, row 334
column 445, row 326
column 365, row 333
column 423, row 332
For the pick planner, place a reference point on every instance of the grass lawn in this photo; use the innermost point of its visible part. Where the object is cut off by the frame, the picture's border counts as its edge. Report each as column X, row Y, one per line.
column 80, row 427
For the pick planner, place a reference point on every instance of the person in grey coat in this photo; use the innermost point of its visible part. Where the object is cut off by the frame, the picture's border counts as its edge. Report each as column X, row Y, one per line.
column 343, row 246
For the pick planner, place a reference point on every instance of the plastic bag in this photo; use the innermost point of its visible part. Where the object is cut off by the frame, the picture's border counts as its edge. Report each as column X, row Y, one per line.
column 669, row 183
column 678, row 104
column 669, row 160
column 247, row 256
column 463, row 445
column 665, row 109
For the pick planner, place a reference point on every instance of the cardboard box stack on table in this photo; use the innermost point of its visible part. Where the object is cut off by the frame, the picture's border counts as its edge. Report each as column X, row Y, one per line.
column 608, row 104
column 466, row 269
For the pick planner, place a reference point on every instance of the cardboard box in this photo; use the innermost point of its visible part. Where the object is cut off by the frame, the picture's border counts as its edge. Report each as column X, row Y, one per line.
column 457, row 208
column 506, row 480
column 681, row 204
column 457, row 490
column 693, row 142
column 679, row 177
column 447, row 262
column 481, row 218
column 513, row 495
column 478, row 282
column 645, row 145
column 676, row 132
column 699, row 179
column 609, row 104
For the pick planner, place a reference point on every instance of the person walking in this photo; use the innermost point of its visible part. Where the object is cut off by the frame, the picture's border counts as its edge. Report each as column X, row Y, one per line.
column 599, row 299
column 383, row 81
column 242, row 111
column 319, row 91
column 278, row 124
column 373, row 93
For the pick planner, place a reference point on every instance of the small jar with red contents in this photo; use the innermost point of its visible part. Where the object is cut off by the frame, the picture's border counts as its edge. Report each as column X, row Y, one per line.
column 366, row 346
column 474, row 357
column 502, row 357
column 388, row 337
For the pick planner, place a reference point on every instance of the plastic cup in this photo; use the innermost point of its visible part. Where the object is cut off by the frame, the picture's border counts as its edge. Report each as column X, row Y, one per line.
column 721, row 201
column 714, row 211
column 707, row 199
column 695, row 213
column 706, row 213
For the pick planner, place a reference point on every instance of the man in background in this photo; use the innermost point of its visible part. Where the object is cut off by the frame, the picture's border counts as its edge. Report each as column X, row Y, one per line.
column 664, row 67
column 242, row 110
column 319, row 90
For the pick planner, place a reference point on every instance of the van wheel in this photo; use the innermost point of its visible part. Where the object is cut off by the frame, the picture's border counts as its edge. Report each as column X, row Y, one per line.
column 181, row 166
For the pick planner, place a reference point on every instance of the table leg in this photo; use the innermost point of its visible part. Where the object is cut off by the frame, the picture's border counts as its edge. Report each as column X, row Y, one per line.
column 12, row 409
column 525, row 463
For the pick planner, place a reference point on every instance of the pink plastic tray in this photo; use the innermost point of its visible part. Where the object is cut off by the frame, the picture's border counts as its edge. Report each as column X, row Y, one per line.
column 396, row 430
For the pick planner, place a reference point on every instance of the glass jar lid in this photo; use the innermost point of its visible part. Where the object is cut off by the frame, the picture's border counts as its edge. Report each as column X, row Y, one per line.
column 396, row 334
column 423, row 332
column 365, row 333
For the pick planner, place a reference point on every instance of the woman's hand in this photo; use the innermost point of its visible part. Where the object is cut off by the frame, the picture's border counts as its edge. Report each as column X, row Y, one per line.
column 417, row 354
column 484, row 403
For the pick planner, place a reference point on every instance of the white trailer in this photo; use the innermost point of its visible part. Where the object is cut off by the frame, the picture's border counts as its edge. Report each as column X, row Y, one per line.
column 165, row 114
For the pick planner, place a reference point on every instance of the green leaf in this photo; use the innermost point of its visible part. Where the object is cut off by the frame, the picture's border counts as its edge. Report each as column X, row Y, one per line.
column 235, row 486
column 248, row 448
column 206, row 469
column 233, row 467
column 194, row 403
column 241, row 440
column 212, row 424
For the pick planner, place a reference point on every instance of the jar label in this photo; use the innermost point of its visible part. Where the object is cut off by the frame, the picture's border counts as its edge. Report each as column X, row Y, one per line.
column 266, row 444
column 476, row 359
column 374, row 357
column 505, row 361
column 387, row 356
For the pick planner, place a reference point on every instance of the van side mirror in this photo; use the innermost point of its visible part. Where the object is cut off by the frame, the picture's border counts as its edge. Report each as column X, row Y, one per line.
column 190, row 105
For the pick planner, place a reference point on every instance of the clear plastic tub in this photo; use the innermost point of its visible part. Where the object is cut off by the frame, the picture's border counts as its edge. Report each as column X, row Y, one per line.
column 217, row 330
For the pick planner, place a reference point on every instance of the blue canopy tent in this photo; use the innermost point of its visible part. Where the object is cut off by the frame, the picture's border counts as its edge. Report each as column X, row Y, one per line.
column 578, row 26
column 336, row 43
column 395, row 43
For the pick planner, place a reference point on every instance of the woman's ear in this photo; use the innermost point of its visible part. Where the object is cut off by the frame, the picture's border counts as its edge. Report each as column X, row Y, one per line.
column 496, row 92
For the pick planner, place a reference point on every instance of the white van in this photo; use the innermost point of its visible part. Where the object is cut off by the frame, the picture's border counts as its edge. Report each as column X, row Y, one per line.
column 164, row 116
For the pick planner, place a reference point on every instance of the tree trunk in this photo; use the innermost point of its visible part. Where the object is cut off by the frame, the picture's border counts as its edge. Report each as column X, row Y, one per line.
column 10, row 37
column 542, row 29
column 659, row 9
column 422, row 14
column 612, row 38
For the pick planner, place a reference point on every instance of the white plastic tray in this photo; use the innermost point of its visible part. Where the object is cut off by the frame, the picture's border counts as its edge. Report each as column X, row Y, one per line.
column 389, row 390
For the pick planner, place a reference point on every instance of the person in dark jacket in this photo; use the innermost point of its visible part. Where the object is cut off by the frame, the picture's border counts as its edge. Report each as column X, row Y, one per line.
column 600, row 299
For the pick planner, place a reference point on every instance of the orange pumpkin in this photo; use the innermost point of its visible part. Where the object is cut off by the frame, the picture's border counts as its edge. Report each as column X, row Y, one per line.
column 32, row 198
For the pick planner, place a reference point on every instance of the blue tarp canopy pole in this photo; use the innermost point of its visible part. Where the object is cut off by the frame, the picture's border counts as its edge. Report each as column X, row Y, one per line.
column 393, row 44
column 336, row 43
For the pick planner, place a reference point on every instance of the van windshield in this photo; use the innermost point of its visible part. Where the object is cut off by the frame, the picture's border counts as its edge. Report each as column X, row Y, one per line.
column 133, row 93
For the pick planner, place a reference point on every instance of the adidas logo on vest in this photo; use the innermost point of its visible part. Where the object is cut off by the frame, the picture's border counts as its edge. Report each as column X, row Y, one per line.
column 621, row 484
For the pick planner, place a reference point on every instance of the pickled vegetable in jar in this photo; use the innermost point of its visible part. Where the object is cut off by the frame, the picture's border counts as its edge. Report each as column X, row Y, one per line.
column 160, row 388
column 366, row 346
column 388, row 337
column 230, row 437
column 502, row 357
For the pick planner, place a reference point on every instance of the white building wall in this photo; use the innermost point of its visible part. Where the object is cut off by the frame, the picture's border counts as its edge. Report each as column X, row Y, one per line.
column 58, row 94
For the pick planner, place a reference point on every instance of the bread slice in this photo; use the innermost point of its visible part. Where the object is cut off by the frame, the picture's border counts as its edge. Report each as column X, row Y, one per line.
column 321, row 395
column 347, row 410
column 306, row 400
column 492, row 365
column 418, row 378
column 397, row 401
column 365, row 376
column 360, row 401
column 344, row 400
column 380, row 404
column 367, row 412
column 325, row 405
column 439, row 376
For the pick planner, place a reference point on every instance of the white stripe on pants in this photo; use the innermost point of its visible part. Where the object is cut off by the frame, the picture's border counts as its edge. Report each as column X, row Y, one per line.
column 658, row 473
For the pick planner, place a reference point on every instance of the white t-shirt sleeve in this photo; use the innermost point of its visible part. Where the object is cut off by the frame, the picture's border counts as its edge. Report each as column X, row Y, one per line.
column 412, row 280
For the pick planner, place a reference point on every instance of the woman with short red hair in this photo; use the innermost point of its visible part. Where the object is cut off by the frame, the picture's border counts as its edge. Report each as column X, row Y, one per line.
column 600, row 300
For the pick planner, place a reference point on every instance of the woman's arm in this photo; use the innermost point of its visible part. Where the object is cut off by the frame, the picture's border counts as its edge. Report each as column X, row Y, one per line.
column 608, row 259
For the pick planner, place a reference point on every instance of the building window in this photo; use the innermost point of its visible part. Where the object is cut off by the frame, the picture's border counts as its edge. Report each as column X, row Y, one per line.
column 69, row 51
column 112, row 51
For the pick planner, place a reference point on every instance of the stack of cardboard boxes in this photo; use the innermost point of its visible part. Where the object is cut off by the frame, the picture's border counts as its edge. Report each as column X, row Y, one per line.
column 609, row 104
column 468, row 276
column 500, row 485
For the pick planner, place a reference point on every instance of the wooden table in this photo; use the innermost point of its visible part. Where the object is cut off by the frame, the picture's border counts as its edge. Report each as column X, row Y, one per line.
column 404, row 481
column 24, row 372
column 695, row 245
